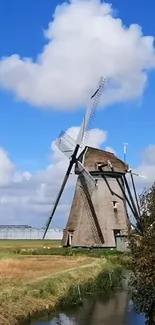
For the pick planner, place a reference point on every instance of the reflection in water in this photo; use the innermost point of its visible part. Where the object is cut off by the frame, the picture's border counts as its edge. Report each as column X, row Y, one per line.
column 115, row 310
column 107, row 312
column 133, row 318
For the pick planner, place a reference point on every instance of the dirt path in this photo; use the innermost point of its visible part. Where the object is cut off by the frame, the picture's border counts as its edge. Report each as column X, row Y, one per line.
column 94, row 262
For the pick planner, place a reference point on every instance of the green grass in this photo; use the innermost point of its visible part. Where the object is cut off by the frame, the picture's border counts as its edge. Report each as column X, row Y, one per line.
column 22, row 248
column 28, row 243
column 97, row 252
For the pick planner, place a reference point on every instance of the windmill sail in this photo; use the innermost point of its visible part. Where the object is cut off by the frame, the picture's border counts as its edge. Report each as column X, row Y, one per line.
column 61, row 190
column 142, row 176
column 91, row 214
column 86, row 124
column 57, row 201
column 66, row 144
column 89, row 180
column 71, row 148
column 88, row 185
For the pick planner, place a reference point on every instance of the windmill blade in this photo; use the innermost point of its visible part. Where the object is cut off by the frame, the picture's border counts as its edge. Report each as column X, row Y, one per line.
column 70, row 148
column 135, row 193
column 72, row 161
column 55, row 204
column 129, row 199
column 58, row 197
column 88, row 184
column 136, row 174
column 90, row 181
column 66, row 144
column 142, row 176
column 86, row 124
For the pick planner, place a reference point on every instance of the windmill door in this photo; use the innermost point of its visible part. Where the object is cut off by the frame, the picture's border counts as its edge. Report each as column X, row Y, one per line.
column 70, row 238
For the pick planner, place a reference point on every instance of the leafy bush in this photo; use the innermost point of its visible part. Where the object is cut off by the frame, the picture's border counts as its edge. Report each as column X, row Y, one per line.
column 143, row 258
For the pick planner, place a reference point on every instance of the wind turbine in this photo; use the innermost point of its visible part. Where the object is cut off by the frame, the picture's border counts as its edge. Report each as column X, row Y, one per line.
column 71, row 147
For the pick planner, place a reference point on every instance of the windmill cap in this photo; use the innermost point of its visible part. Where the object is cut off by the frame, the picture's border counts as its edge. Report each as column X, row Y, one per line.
column 92, row 157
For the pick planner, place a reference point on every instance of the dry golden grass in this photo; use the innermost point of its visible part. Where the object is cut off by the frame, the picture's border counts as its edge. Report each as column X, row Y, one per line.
column 15, row 272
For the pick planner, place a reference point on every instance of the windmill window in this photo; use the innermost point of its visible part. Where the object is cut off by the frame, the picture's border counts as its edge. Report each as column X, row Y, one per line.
column 101, row 163
column 117, row 232
column 114, row 203
column 96, row 182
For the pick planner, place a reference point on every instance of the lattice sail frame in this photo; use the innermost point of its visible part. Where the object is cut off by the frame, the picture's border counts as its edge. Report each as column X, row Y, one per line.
column 65, row 142
column 71, row 148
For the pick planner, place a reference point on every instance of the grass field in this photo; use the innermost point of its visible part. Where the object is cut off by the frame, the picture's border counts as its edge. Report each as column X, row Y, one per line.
column 28, row 243
column 20, row 248
column 33, row 285
column 30, row 284
column 23, row 261
column 19, row 272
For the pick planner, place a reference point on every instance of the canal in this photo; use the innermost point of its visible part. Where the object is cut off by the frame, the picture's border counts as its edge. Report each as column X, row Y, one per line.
column 98, row 310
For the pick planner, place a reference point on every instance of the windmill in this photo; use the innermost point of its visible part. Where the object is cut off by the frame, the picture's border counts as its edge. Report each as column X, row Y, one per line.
column 99, row 214
column 99, row 209
column 71, row 148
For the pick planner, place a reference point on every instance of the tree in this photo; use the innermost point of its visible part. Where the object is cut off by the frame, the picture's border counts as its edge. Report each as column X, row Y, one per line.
column 142, row 246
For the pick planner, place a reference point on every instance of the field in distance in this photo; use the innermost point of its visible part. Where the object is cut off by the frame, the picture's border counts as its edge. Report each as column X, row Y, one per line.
column 27, row 243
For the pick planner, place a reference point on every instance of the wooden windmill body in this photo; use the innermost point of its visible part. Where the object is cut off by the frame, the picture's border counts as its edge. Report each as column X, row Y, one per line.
column 97, row 222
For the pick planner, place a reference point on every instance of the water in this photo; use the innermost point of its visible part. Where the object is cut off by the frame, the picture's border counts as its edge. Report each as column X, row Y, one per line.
column 97, row 310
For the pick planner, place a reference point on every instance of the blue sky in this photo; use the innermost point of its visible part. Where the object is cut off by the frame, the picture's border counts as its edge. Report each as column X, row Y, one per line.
column 26, row 131
column 21, row 31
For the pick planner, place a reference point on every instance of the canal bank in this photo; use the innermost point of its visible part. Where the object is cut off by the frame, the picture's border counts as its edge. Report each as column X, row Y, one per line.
column 66, row 288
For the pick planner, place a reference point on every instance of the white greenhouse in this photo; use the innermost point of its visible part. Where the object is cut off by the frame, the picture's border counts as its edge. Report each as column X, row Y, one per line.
column 27, row 232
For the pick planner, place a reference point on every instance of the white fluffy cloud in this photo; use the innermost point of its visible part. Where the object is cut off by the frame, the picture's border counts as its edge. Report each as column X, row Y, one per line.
column 6, row 168
column 27, row 198
column 110, row 150
column 83, row 41
column 147, row 167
